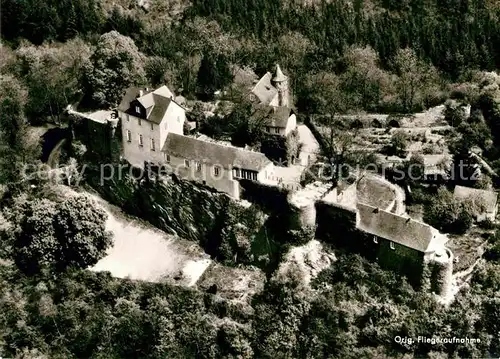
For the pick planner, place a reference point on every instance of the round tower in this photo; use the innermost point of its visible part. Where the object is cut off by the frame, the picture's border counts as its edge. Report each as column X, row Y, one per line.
column 280, row 81
column 441, row 265
column 302, row 212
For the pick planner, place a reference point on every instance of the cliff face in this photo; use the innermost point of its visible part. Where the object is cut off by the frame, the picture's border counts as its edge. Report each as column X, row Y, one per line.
column 224, row 228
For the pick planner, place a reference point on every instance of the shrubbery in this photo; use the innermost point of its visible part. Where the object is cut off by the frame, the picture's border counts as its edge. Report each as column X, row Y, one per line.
column 448, row 214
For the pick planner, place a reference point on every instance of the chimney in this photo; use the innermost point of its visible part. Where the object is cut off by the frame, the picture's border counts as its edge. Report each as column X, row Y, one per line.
column 141, row 93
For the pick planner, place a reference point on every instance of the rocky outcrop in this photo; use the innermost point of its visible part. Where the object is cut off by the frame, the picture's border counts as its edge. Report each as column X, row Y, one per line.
column 305, row 262
column 225, row 228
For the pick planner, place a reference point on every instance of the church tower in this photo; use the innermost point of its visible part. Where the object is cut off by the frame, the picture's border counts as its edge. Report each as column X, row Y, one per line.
column 280, row 81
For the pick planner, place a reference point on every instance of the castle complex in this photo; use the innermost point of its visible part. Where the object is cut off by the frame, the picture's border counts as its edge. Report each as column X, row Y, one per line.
column 378, row 227
column 368, row 216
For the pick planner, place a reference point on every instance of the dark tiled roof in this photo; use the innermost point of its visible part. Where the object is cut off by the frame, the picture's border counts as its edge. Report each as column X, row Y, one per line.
column 275, row 116
column 130, row 95
column 212, row 153
column 155, row 102
column 264, row 89
column 489, row 198
column 398, row 229
column 160, row 107
column 375, row 192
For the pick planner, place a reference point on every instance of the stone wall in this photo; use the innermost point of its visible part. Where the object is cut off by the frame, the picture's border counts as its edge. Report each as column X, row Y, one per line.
column 272, row 198
column 401, row 259
column 336, row 225
column 228, row 230
column 102, row 139
column 281, row 149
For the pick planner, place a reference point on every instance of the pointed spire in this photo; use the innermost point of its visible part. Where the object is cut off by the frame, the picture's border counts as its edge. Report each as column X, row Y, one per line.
column 279, row 76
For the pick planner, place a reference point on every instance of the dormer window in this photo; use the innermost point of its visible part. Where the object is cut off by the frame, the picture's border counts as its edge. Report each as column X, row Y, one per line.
column 138, row 110
column 392, row 245
column 375, row 239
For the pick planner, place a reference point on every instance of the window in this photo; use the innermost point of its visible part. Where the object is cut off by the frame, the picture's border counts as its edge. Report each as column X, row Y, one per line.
column 254, row 176
column 198, row 166
column 128, row 117
column 277, row 130
column 375, row 239
column 392, row 245
column 141, row 141
column 237, row 173
column 178, row 118
column 140, row 122
column 186, row 163
column 167, row 157
column 129, row 136
column 216, row 170
column 268, row 129
column 153, row 148
column 138, row 110
column 152, row 126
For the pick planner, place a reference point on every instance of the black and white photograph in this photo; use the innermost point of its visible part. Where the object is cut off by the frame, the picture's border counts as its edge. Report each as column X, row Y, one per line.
column 249, row 179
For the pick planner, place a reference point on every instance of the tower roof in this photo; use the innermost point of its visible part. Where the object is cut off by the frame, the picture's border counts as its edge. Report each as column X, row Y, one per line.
column 278, row 75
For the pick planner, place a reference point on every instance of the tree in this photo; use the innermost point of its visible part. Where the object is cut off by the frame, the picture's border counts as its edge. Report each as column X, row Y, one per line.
column 415, row 78
column 322, row 94
column 364, row 81
column 448, row 214
column 17, row 147
column 399, row 143
column 60, row 235
column 115, row 65
column 198, row 38
column 454, row 113
column 412, row 171
column 247, row 124
column 214, row 74
column 52, row 76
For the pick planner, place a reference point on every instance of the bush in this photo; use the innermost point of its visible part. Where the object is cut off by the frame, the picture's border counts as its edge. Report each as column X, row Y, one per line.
column 399, row 143
column 487, row 224
column 448, row 214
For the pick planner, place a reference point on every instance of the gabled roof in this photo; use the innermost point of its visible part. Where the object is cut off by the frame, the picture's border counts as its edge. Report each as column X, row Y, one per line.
column 489, row 198
column 206, row 152
column 154, row 102
column 395, row 228
column 264, row 89
column 274, row 116
column 373, row 190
